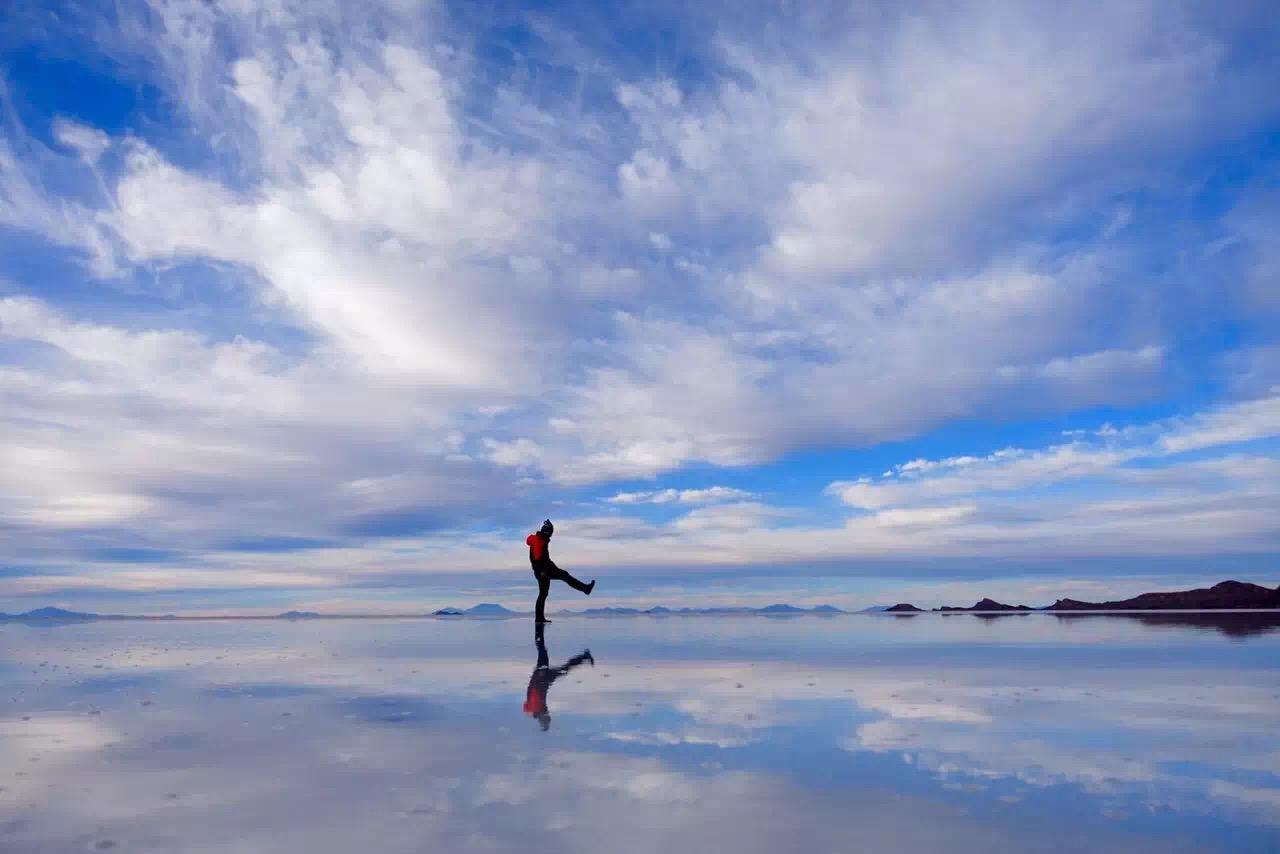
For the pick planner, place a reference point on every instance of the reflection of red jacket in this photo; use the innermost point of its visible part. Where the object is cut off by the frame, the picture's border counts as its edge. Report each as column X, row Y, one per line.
column 535, row 702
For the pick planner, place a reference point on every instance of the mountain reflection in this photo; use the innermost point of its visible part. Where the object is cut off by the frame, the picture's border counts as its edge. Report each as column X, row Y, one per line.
column 543, row 676
column 1236, row 624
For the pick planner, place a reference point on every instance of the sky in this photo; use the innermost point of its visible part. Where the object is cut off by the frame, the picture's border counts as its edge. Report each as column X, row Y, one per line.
column 313, row 304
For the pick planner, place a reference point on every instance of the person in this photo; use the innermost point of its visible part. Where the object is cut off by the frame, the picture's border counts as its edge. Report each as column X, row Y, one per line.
column 545, row 570
column 535, row 698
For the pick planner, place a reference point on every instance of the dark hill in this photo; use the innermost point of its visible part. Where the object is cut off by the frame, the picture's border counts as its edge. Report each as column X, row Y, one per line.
column 1225, row 594
column 56, row 614
column 987, row 605
column 903, row 608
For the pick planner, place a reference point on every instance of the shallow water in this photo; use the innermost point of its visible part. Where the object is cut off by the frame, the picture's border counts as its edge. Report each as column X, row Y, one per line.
column 927, row 733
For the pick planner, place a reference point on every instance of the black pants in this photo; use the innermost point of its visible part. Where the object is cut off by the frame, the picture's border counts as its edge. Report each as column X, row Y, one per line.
column 544, row 587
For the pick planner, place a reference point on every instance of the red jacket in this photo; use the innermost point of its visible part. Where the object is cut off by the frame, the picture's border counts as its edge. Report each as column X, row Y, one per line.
column 539, row 554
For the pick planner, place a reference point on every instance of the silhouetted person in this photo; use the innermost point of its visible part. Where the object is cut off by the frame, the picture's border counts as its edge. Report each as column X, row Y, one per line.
column 535, row 699
column 544, row 569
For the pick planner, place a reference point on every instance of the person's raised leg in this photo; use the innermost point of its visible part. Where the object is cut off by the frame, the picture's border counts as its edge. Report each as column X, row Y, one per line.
column 585, row 655
column 571, row 581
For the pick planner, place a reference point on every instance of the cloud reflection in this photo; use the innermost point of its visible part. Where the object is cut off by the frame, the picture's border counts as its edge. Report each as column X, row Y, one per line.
column 932, row 734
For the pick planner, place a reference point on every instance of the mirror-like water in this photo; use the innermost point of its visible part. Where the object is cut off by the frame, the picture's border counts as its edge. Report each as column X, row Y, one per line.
column 1021, row 733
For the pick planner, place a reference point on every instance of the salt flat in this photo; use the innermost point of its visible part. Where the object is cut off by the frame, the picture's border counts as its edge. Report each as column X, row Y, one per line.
column 925, row 733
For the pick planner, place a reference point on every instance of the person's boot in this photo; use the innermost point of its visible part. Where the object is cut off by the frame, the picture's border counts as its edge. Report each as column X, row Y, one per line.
column 590, row 587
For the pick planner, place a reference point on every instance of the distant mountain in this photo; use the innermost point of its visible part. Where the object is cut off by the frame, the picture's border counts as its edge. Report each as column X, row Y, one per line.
column 610, row 612
column 447, row 612
column 659, row 610
column 51, row 613
column 827, row 609
column 986, row 605
column 489, row 609
column 299, row 615
column 781, row 609
column 874, row 609
column 1234, row 595
column 1225, row 594
column 903, row 608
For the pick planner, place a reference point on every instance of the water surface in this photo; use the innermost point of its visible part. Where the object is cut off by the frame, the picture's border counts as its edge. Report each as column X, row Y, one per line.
column 926, row 733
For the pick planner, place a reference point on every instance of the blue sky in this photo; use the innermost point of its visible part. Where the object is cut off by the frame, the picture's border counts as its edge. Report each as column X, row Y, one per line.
column 302, row 305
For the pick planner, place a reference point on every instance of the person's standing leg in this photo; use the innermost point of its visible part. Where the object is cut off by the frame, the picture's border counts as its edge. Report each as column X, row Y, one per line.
column 544, row 586
column 570, row 580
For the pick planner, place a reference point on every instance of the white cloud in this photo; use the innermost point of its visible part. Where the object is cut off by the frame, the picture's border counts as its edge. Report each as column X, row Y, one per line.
column 1013, row 469
column 406, row 302
column 738, row 516
column 404, row 273
column 1243, row 422
column 90, row 143
column 519, row 453
column 709, row 495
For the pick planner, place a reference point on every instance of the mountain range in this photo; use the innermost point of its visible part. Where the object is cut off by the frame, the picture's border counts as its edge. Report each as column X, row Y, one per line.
column 484, row 609
column 1226, row 595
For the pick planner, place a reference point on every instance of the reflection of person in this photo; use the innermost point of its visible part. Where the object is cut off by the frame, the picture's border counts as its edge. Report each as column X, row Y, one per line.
column 544, row 569
column 535, row 699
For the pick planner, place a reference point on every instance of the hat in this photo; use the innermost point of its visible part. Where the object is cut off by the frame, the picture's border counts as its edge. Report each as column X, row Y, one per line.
column 547, row 528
